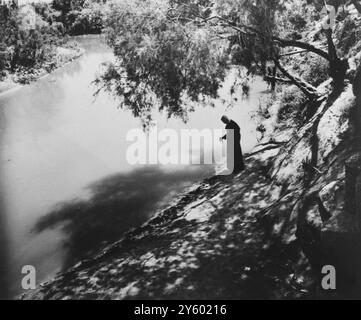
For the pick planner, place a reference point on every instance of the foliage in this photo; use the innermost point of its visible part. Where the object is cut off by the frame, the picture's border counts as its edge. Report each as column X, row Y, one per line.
column 348, row 35
column 80, row 16
column 296, row 17
column 88, row 20
column 316, row 70
column 23, row 46
column 298, row 21
column 30, row 47
column 161, row 61
column 169, row 50
column 290, row 101
column 65, row 6
column 46, row 11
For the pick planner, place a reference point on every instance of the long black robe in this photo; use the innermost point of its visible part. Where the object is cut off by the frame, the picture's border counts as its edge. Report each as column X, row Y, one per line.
column 235, row 161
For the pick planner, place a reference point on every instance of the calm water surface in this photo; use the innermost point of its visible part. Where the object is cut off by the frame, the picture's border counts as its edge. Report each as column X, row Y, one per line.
column 65, row 184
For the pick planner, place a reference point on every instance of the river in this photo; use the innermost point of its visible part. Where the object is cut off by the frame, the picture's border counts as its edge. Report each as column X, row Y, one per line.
column 66, row 187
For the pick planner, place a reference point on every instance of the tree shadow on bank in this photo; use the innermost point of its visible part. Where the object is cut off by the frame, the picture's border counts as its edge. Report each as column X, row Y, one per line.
column 116, row 204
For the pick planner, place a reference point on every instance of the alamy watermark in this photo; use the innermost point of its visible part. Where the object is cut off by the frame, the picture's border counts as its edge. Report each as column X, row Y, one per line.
column 28, row 281
column 184, row 147
column 329, row 278
column 328, row 281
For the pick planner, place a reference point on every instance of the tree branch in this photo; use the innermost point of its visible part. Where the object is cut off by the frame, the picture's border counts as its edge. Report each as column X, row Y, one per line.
column 278, row 79
column 301, row 45
column 249, row 31
column 309, row 90
column 270, row 147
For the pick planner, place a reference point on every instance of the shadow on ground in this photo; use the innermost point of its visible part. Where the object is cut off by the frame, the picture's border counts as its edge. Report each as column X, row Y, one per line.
column 117, row 204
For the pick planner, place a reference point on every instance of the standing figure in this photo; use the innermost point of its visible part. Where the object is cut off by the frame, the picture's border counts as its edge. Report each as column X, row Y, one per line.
column 235, row 161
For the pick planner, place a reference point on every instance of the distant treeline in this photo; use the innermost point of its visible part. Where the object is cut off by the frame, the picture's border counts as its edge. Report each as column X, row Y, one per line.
column 29, row 34
column 76, row 16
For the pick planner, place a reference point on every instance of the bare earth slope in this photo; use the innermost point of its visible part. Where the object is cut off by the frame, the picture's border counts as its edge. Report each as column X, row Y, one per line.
column 254, row 235
column 265, row 233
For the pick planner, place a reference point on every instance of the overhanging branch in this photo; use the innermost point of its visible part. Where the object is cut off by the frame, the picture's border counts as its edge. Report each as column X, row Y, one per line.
column 252, row 32
column 301, row 45
column 310, row 91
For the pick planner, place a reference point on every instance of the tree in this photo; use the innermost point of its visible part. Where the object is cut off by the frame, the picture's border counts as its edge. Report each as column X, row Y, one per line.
column 161, row 58
column 88, row 19
column 80, row 16
column 168, row 51
column 22, row 46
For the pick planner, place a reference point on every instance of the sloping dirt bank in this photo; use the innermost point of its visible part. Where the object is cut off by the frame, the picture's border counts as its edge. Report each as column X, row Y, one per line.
column 265, row 233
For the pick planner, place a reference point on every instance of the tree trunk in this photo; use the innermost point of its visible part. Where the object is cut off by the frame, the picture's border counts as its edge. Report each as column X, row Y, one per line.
column 309, row 90
column 338, row 67
column 301, row 45
column 332, row 53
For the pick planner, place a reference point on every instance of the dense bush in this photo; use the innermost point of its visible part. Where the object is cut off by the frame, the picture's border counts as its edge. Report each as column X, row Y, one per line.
column 80, row 16
column 298, row 21
column 88, row 20
column 291, row 102
column 3, row 59
column 296, row 18
column 316, row 70
column 47, row 12
column 348, row 36
column 24, row 46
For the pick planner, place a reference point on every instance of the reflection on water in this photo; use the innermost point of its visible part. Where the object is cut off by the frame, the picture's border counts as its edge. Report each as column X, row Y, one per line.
column 55, row 141
column 116, row 204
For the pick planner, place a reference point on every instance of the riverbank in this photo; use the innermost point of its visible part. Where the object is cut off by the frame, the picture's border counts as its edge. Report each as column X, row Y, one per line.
column 24, row 76
column 257, row 235
column 263, row 234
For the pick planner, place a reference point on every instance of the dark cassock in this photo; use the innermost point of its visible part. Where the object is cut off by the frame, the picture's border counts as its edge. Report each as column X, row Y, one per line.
column 235, row 161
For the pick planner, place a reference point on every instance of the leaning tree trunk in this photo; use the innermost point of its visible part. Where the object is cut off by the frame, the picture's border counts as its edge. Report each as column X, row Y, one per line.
column 309, row 90
column 338, row 67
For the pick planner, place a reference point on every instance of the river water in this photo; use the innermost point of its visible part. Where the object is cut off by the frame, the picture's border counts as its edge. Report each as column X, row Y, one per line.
column 66, row 187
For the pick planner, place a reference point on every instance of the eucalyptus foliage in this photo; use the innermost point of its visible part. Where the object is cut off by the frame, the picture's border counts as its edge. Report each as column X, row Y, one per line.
column 168, row 51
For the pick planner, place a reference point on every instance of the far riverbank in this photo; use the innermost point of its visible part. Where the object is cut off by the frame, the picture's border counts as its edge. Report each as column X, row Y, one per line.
column 23, row 76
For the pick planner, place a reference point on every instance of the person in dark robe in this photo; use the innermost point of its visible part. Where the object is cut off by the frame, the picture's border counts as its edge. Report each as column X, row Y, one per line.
column 235, row 161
